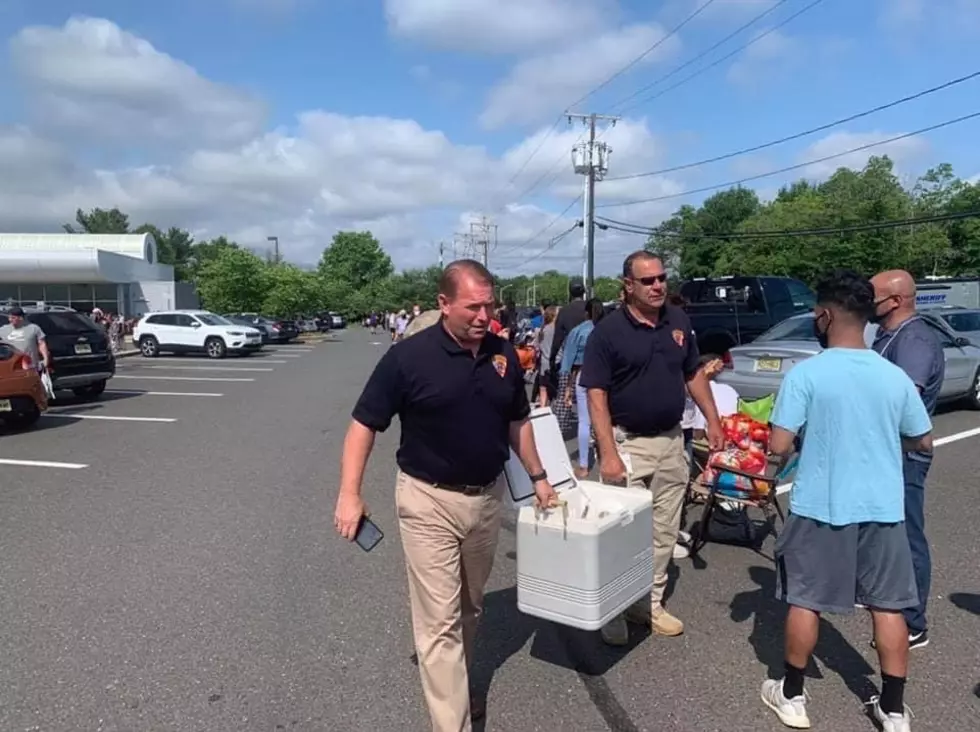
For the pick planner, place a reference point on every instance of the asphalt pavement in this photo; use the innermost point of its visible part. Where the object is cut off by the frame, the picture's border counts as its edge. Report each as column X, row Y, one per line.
column 168, row 562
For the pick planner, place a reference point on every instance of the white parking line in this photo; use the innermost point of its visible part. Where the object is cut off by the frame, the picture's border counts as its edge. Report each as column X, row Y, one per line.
column 179, row 378
column 42, row 464
column 289, row 347
column 137, row 392
column 948, row 439
column 106, row 418
column 956, row 437
column 284, row 355
column 185, row 361
column 202, row 368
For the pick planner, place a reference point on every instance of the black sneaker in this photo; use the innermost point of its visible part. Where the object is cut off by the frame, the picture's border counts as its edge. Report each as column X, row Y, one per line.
column 916, row 640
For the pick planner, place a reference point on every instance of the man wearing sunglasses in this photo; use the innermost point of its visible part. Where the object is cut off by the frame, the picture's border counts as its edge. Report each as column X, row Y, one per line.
column 640, row 363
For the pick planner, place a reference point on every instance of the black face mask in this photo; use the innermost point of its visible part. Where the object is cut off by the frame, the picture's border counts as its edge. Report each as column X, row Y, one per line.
column 821, row 335
column 875, row 318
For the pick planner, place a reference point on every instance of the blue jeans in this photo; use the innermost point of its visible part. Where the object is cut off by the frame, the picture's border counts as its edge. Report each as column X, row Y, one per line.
column 584, row 426
column 916, row 467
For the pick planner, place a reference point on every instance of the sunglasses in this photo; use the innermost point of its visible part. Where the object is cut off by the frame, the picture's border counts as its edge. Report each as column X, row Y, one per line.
column 651, row 280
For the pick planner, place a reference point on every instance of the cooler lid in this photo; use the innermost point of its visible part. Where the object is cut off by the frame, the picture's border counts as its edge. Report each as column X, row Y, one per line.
column 554, row 458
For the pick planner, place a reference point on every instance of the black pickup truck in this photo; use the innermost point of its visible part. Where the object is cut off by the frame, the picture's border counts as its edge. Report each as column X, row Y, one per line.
column 730, row 311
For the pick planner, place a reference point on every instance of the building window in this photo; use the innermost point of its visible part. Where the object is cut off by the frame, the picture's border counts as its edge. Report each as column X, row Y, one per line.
column 82, row 297
column 30, row 294
column 9, row 293
column 56, row 294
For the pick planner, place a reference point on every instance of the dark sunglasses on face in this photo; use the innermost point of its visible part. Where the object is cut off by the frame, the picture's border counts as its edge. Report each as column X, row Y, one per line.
column 651, row 280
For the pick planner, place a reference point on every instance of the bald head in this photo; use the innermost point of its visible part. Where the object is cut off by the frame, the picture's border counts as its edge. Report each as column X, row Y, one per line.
column 894, row 297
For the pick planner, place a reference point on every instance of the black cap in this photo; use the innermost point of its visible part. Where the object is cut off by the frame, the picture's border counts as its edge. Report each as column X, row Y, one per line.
column 18, row 311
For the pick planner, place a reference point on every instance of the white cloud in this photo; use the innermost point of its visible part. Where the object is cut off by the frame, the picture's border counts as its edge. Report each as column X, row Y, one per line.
column 902, row 152
column 496, row 26
column 99, row 80
column 302, row 183
column 927, row 15
column 540, row 86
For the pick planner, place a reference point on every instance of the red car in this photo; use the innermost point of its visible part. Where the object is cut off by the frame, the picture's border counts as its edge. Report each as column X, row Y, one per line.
column 22, row 395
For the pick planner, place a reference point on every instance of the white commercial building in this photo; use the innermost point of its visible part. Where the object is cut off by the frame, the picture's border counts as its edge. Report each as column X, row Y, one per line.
column 117, row 273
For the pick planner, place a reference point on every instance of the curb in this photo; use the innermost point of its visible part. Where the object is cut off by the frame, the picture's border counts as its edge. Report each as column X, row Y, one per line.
column 127, row 353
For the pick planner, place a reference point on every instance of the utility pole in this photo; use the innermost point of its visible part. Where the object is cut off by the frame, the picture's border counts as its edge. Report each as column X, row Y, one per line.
column 590, row 159
column 275, row 240
column 442, row 260
column 479, row 235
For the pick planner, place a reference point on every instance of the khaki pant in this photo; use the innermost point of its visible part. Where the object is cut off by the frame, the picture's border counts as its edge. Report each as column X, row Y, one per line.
column 449, row 540
column 660, row 464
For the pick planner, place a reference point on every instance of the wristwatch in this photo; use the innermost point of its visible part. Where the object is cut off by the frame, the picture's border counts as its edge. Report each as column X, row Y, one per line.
column 537, row 477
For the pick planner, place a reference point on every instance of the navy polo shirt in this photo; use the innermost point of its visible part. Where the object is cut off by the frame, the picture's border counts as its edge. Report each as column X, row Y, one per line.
column 915, row 348
column 644, row 369
column 455, row 409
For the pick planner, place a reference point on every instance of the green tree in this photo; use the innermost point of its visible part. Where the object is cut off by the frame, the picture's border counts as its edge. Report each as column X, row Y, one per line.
column 99, row 221
column 291, row 291
column 175, row 247
column 235, row 280
column 353, row 271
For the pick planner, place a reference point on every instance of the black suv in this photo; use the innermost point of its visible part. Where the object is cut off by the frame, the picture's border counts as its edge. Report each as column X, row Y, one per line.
column 81, row 357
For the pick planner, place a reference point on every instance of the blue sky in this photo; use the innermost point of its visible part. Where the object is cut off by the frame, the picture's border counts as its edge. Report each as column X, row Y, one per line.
column 409, row 117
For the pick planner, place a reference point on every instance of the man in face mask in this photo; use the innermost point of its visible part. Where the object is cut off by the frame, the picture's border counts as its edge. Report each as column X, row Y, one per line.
column 911, row 344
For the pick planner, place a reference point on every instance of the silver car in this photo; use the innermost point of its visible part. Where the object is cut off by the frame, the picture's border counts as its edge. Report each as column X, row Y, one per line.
column 757, row 368
column 965, row 321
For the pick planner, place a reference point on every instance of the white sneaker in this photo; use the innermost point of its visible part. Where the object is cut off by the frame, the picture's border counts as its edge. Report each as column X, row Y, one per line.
column 683, row 537
column 681, row 551
column 791, row 712
column 890, row 722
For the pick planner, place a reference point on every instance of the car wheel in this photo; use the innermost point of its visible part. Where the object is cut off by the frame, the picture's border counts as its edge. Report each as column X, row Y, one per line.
column 24, row 420
column 149, row 347
column 215, row 347
column 91, row 391
column 974, row 396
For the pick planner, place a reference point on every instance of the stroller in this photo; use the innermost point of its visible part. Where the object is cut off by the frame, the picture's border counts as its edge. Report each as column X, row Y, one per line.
column 742, row 476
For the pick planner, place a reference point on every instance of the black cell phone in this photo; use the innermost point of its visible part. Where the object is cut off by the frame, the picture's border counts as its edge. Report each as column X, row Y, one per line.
column 368, row 534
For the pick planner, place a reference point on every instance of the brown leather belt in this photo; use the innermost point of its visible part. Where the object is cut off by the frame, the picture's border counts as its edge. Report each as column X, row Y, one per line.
column 466, row 490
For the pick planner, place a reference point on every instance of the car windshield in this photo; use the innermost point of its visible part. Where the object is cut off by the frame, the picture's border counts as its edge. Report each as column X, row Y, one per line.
column 963, row 322
column 210, row 319
column 792, row 329
column 53, row 323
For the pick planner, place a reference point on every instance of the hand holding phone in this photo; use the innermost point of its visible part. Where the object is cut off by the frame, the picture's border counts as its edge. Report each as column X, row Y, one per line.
column 368, row 534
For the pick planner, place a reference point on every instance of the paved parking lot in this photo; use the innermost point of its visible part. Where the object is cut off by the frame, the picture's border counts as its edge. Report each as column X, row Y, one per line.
column 168, row 562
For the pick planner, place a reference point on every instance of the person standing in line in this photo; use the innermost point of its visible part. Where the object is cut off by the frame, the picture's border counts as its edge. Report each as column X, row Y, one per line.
column 568, row 318
column 461, row 399
column 844, row 543
column 546, row 336
column 393, row 326
column 640, row 363
column 27, row 337
column 571, row 366
column 911, row 344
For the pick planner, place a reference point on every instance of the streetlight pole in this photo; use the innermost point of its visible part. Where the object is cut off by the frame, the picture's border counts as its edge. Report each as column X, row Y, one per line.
column 275, row 241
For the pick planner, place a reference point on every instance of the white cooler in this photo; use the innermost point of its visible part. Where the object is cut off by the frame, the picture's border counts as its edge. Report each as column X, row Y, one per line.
column 585, row 567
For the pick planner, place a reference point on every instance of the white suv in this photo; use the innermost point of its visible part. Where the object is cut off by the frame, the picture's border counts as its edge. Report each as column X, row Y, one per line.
column 193, row 331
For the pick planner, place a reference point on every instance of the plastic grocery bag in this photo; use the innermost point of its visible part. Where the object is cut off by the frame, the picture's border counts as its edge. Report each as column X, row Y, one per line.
column 48, row 384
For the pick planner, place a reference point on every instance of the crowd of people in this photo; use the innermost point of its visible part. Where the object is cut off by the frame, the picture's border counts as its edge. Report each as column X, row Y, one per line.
column 858, row 418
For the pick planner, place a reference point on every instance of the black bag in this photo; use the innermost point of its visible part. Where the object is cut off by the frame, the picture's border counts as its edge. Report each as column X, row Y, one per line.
column 733, row 527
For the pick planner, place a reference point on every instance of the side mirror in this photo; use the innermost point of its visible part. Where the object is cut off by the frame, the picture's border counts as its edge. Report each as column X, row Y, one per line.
column 961, row 342
column 195, row 324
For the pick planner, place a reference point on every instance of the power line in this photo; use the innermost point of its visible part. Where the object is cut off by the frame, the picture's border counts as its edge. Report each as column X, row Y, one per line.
column 789, row 168
column 710, row 50
column 551, row 245
column 805, row 133
column 793, row 233
column 551, row 223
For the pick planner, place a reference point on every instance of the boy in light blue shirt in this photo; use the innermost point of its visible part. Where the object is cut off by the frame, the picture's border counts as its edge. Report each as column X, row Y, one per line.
column 844, row 543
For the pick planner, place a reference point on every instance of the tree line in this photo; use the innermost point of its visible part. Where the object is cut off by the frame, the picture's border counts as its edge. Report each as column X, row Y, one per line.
column 732, row 232
column 860, row 218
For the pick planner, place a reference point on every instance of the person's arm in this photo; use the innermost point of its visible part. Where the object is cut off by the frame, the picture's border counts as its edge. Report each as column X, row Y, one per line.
column 521, row 438
column 915, row 427
column 42, row 347
column 919, row 356
column 789, row 414
column 381, row 400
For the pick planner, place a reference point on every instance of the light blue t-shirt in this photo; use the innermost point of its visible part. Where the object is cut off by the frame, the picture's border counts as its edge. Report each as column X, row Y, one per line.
column 855, row 406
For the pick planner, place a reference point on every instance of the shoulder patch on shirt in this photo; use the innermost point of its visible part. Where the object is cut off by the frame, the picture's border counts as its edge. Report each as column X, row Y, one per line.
column 500, row 363
column 678, row 337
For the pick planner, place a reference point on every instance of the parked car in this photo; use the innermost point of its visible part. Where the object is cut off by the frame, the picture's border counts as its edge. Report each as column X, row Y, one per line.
column 280, row 331
column 337, row 321
column 263, row 326
column 193, row 331
column 965, row 321
column 729, row 311
column 81, row 355
column 22, row 395
column 757, row 369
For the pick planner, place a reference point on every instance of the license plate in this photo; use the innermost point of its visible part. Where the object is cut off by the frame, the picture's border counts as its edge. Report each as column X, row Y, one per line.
column 82, row 348
column 5, row 405
column 768, row 364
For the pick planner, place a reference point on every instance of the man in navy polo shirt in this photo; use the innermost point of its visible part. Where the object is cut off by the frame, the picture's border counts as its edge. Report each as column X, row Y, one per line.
column 911, row 344
column 460, row 396
column 640, row 363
